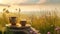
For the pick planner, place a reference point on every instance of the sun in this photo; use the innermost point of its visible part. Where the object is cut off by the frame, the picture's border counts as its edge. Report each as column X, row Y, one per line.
column 1, row 1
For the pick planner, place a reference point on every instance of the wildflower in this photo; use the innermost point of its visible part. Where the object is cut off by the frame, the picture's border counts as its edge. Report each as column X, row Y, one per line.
column 48, row 32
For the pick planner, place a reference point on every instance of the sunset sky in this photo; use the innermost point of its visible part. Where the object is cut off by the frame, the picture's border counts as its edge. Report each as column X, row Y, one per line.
column 29, row 1
column 31, row 5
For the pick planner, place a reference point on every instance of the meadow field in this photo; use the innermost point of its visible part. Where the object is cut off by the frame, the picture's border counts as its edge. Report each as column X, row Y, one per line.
column 44, row 21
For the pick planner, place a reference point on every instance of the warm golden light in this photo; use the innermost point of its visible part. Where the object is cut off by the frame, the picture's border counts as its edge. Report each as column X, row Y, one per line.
column 1, row 1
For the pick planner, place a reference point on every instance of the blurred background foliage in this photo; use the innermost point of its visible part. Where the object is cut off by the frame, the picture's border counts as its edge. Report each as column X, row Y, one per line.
column 47, row 22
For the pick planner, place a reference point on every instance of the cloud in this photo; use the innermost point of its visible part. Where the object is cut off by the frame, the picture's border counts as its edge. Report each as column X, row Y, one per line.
column 42, row 1
column 23, row 1
column 13, row 1
column 29, row 1
column 53, row 1
column 34, row 2
column 19, row 1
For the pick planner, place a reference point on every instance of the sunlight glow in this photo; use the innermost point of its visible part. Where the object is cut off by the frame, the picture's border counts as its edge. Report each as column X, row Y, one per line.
column 1, row 1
